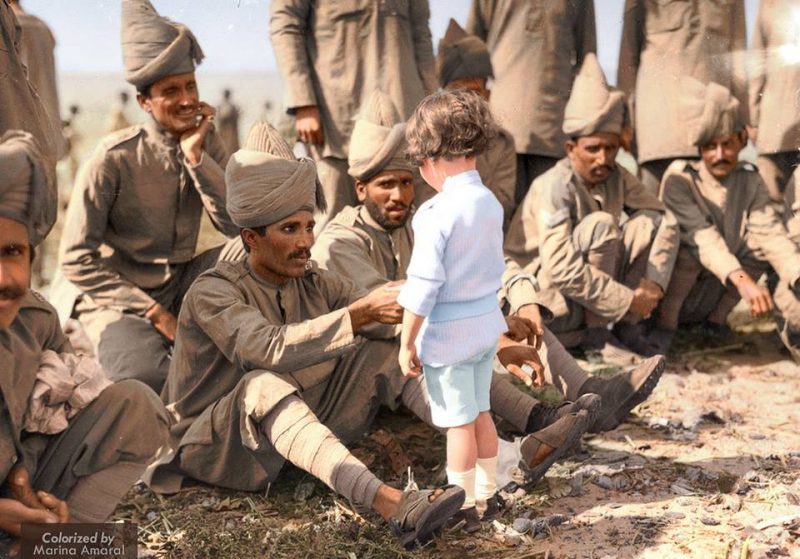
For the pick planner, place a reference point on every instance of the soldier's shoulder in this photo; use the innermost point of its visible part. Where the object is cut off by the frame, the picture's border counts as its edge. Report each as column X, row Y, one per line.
column 345, row 219
column 747, row 167
column 35, row 300
column 226, row 271
column 682, row 167
column 121, row 138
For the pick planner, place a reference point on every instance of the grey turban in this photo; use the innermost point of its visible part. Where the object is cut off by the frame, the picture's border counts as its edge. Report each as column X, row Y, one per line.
column 378, row 142
column 593, row 106
column 27, row 190
column 153, row 47
column 710, row 111
column 461, row 55
column 265, row 182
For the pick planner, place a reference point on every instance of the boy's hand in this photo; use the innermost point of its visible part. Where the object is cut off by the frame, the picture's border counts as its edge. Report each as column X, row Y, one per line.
column 409, row 362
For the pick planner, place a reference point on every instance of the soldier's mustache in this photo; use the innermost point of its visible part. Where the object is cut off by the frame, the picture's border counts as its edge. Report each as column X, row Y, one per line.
column 720, row 162
column 11, row 293
column 303, row 253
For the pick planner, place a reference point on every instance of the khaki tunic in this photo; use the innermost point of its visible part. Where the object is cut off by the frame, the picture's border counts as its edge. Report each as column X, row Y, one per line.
column 498, row 170
column 333, row 54
column 720, row 220
column 775, row 77
column 97, row 437
column 135, row 214
column 245, row 344
column 791, row 216
column 536, row 47
column 663, row 40
column 356, row 246
column 540, row 240
column 36, row 52
column 22, row 107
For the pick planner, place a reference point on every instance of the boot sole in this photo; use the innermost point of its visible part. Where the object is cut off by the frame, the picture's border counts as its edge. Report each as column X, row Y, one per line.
column 533, row 475
column 431, row 521
column 621, row 413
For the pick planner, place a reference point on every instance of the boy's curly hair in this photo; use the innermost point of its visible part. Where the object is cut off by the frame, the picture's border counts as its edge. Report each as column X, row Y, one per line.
column 449, row 124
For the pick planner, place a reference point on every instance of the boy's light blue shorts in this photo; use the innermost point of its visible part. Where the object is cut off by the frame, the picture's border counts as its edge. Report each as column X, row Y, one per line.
column 460, row 391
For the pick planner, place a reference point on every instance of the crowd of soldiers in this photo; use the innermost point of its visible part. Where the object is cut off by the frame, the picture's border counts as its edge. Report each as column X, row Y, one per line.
column 281, row 343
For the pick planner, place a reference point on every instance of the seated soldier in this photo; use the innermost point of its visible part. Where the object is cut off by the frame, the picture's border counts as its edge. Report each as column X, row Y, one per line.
column 70, row 469
column 371, row 244
column 463, row 62
column 600, row 246
column 731, row 234
column 270, row 364
column 133, row 222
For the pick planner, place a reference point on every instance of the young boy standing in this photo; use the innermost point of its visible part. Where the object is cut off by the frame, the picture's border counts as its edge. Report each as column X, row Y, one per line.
column 452, row 320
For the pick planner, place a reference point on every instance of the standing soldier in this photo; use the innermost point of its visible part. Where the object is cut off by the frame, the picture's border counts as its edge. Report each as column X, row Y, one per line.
column 36, row 52
column 332, row 55
column 133, row 221
column 228, row 122
column 117, row 119
column 663, row 40
column 731, row 234
column 537, row 48
column 775, row 92
column 463, row 62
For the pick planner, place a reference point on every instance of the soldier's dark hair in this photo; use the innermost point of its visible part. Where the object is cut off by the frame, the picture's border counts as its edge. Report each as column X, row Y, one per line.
column 449, row 124
column 261, row 230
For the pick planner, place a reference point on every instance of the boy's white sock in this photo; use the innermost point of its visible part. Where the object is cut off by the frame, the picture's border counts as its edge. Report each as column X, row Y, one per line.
column 485, row 478
column 466, row 481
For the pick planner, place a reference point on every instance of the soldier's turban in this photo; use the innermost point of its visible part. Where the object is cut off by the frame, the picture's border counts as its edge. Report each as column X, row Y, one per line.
column 154, row 47
column 461, row 55
column 709, row 111
column 593, row 106
column 27, row 189
column 378, row 142
column 265, row 182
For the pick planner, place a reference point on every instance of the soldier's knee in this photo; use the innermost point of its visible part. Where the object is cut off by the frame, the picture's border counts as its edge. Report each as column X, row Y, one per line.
column 601, row 227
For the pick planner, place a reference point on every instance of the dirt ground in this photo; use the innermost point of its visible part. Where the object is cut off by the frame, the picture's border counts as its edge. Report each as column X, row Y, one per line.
column 708, row 467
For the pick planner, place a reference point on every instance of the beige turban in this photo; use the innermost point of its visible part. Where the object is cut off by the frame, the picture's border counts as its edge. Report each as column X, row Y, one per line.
column 27, row 190
column 265, row 182
column 462, row 55
column 378, row 142
column 153, row 47
column 593, row 106
column 710, row 111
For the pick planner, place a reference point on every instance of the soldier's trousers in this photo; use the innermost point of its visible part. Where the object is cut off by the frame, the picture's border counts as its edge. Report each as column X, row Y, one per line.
column 621, row 252
column 126, row 344
column 101, row 454
column 338, row 187
column 694, row 294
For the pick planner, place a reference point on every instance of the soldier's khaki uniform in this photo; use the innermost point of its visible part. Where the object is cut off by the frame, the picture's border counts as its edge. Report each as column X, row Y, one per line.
column 36, row 51
column 101, row 436
column 498, row 170
column 774, row 86
column 129, row 241
column 334, row 54
column 663, row 40
column 244, row 346
column 791, row 215
column 22, row 106
column 527, row 38
column 589, row 247
column 726, row 226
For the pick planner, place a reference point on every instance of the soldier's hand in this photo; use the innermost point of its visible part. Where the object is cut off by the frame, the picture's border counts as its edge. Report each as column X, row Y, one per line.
column 309, row 125
column 192, row 140
column 14, row 514
column 409, row 361
column 757, row 297
column 379, row 305
column 522, row 361
column 532, row 317
column 646, row 297
column 19, row 486
column 163, row 321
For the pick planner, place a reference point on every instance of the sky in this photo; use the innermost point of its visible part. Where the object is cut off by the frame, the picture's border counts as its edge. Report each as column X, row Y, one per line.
column 234, row 33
